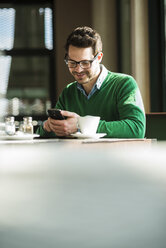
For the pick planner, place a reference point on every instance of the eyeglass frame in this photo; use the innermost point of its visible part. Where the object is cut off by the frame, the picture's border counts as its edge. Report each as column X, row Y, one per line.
column 78, row 62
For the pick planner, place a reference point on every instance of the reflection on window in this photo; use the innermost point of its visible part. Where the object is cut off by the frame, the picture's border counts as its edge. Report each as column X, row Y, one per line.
column 5, row 63
column 47, row 12
column 48, row 28
column 7, row 22
column 33, row 27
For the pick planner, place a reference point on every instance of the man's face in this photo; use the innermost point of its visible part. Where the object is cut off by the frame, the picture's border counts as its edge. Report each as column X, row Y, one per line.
column 83, row 76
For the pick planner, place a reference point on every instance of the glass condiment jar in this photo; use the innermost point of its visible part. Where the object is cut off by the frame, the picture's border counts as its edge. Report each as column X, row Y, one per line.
column 27, row 125
column 24, row 125
column 10, row 128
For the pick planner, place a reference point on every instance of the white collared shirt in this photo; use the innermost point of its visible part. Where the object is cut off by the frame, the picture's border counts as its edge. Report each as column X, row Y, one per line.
column 98, row 83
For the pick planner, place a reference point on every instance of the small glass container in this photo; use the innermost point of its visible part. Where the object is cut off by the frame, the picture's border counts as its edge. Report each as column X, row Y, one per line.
column 10, row 128
column 21, row 127
column 27, row 125
column 24, row 125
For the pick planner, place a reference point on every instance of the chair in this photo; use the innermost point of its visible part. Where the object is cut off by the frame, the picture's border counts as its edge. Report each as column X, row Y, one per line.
column 156, row 125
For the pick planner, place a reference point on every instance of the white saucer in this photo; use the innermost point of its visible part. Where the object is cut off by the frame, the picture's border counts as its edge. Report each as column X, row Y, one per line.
column 18, row 137
column 88, row 136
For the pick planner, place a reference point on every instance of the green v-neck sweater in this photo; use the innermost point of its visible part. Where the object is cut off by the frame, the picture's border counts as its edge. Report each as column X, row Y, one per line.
column 118, row 103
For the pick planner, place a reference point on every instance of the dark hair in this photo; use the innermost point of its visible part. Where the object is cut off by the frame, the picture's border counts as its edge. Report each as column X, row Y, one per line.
column 84, row 37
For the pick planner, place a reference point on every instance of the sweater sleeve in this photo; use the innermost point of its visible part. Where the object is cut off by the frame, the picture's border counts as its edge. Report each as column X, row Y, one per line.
column 130, row 112
column 43, row 133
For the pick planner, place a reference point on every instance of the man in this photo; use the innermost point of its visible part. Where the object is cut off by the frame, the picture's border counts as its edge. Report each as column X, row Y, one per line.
column 114, row 97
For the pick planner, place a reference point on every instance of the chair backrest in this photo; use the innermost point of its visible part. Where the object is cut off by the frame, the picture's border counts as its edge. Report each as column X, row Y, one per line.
column 156, row 125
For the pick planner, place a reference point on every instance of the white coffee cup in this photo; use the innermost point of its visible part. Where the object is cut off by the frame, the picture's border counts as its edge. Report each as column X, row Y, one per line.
column 88, row 124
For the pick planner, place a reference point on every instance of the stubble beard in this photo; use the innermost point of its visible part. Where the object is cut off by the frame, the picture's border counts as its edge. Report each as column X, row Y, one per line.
column 88, row 77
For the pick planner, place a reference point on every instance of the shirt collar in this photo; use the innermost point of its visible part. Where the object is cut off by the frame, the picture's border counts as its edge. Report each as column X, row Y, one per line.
column 101, row 77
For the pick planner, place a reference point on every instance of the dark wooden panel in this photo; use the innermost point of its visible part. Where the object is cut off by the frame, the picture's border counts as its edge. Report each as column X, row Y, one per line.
column 156, row 125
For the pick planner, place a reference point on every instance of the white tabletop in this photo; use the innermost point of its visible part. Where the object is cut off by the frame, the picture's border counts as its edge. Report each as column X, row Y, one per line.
column 53, row 194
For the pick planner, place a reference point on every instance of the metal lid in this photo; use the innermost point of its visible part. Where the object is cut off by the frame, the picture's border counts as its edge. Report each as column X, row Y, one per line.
column 10, row 118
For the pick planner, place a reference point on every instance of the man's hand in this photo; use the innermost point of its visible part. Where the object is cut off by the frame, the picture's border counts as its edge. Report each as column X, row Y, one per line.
column 62, row 127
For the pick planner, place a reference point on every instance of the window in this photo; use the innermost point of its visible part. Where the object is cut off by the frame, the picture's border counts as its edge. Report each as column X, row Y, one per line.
column 26, row 57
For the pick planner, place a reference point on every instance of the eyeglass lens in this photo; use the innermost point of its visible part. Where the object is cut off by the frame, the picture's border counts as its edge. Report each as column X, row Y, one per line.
column 83, row 64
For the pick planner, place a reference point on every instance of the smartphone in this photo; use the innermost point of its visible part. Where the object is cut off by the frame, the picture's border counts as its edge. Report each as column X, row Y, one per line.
column 55, row 114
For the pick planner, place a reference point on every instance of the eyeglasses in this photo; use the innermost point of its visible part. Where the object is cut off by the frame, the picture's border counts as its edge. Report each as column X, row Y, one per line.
column 84, row 64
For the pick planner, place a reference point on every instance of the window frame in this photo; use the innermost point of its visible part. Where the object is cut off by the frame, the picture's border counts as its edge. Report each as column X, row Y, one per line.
column 14, row 52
